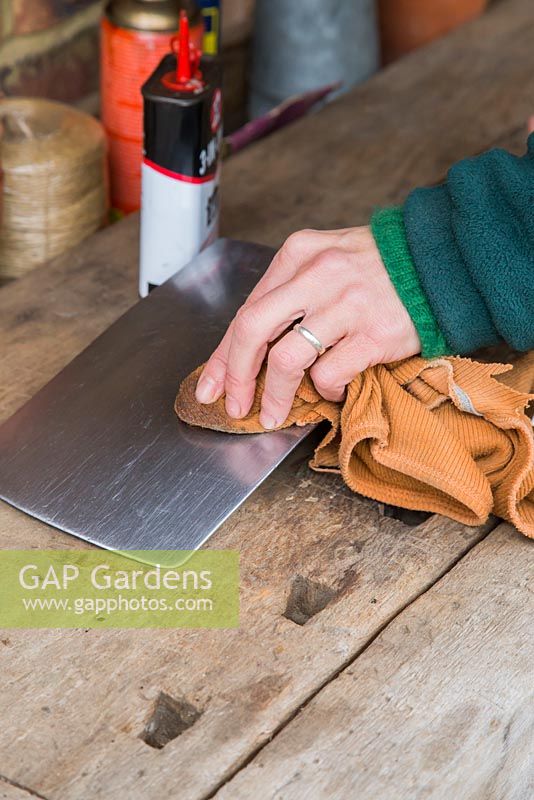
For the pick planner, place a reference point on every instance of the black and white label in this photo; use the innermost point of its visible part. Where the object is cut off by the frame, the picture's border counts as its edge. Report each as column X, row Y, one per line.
column 179, row 218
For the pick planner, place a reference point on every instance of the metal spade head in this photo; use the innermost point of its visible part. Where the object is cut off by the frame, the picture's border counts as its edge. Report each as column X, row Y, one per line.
column 99, row 452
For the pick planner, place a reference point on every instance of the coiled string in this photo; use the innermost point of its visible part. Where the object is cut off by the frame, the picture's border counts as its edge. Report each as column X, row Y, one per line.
column 55, row 189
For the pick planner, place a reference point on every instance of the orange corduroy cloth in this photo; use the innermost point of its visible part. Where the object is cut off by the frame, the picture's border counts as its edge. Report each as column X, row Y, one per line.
column 443, row 435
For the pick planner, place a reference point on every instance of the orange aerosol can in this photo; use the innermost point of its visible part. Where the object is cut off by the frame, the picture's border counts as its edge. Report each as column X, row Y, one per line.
column 135, row 36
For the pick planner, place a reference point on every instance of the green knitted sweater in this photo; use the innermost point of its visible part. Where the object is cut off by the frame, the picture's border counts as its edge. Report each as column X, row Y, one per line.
column 461, row 255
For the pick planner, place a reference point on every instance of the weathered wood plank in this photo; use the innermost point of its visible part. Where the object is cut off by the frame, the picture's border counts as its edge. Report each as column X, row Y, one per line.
column 73, row 733
column 440, row 705
column 79, row 700
column 50, row 315
column 10, row 792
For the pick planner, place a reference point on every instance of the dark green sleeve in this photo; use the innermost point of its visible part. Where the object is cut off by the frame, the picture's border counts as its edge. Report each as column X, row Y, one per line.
column 471, row 247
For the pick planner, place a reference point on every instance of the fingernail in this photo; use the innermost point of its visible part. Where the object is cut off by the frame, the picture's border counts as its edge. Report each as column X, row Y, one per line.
column 267, row 422
column 206, row 391
column 232, row 407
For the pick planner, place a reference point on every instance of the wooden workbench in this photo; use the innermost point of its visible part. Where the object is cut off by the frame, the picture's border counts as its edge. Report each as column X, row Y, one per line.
column 413, row 680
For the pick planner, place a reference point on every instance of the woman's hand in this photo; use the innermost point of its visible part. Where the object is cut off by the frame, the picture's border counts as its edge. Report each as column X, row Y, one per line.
column 337, row 282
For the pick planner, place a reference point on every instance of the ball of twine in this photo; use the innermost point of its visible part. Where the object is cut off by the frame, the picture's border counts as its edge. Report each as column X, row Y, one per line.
column 53, row 160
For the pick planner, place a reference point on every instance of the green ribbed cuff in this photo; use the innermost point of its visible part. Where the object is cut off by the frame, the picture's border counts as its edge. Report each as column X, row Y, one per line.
column 387, row 226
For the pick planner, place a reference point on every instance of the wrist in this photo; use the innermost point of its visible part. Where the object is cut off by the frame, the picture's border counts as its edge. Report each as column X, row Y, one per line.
column 387, row 227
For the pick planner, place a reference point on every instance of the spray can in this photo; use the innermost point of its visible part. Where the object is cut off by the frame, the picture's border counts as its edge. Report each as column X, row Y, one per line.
column 134, row 38
column 180, row 170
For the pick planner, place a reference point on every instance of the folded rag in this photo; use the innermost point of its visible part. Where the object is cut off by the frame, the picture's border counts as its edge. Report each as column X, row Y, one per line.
column 439, row 435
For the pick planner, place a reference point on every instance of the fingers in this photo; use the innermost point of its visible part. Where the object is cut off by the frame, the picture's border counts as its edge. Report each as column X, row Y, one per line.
column 331, row 373
column 210, row 385
column 337, row 368
column 297, row 249
column 312, row 292
column 255, row 326
column 331, row 279
column 235, row 363
column 287, row 361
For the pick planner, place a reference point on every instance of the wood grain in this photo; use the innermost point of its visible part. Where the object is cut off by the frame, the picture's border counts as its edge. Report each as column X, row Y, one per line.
column 439, row 706
column 73, row 702
column 50, row 315
column 10, row 790
column 79, row 699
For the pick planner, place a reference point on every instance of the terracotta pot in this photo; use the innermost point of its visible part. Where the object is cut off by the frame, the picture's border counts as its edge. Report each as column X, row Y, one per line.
column 408, row 24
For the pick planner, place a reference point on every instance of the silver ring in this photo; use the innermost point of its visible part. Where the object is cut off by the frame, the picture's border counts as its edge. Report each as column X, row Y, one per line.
column 309, row 336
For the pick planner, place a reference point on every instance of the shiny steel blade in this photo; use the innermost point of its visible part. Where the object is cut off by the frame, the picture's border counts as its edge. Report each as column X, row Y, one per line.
column 99, row 452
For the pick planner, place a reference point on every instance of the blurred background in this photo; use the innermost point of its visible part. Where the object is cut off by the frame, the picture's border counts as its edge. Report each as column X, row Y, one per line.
column 94, row 56
column 51, row 48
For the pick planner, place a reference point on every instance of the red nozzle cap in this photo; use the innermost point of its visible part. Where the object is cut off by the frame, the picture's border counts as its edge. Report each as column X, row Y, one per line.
column 183, row 59
column 187, row 77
